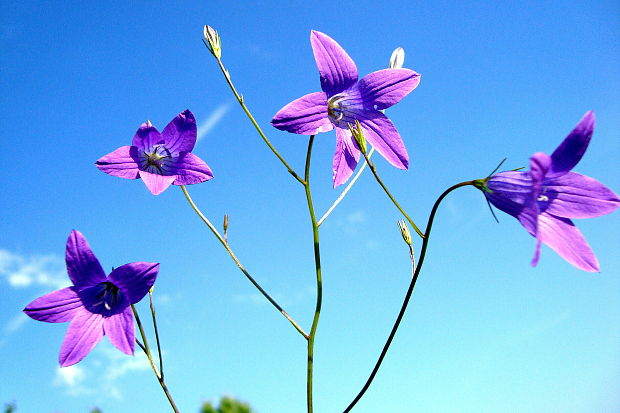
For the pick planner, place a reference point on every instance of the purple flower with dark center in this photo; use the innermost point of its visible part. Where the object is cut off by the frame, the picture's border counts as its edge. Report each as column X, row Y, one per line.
column 95, row 305
column 160, row 159
column 345, row 99
column 545, row 198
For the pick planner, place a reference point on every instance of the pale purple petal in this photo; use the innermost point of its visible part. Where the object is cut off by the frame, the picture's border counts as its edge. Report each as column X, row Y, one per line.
column 120, row 330
column 83, row 334
column 337, row 69
column 180, row 134
column 157, row 183
column 59, row 306
column 306, row 115
column 123, row 163
column 134, row 279
column 387, row 87
column 381, row 133
column 83, row 267
column 345, row 158
column 539, row 165
column 510, row 191
column 190, row 169
column 564, row 238
column 570, row 151
column 146, row 137
column 577, row 196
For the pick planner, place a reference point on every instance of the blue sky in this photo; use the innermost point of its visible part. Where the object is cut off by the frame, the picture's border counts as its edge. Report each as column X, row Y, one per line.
column 485, row 332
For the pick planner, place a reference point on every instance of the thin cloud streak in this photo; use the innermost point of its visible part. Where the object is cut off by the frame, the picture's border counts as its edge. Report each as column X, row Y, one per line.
column 214, row 118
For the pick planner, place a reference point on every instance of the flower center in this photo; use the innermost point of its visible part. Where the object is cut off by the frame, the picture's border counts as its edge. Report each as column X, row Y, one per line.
column 543, row 198
column 154, row 161
column 104, row 298
column 335, row 109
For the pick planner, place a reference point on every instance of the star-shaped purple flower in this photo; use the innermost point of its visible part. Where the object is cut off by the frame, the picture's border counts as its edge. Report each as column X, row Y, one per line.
column 545, row 198
column 95, row 305
column 160, row 159
column 343, row 100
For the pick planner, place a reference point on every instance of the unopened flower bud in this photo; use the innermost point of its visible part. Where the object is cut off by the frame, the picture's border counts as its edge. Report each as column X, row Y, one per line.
column 398, row 58
column 213, row 40
column 225, row 222
column 358, row 135
column 404, row 231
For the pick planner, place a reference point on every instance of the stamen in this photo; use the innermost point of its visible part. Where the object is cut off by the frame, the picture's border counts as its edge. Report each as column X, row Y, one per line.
column 544, row 198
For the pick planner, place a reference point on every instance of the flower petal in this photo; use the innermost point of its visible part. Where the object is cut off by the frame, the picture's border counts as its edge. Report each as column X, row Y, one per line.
column 134, row 279
column 120, row 330
column 157, row 183
column 570, row 151
column 578, row 196
column 83, row 334
column 337, row 69
column 345, row 158
column 59, row 306
column 306, row 115
column 381, row 133
column 190, row 169
column 83, row 267
column 539, row 165
column 146, row 137
column 180, row 134
column 386, row 87
column 511, row 192
column 564, row 238
column 123, row 163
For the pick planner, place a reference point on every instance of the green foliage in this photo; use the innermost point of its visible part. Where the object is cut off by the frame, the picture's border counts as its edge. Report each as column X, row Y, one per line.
column 10, row 407
column 227, row 405
column 96, row 410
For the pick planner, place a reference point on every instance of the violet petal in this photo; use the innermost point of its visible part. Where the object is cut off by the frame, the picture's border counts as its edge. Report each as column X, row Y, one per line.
column 59, row 306
column 190, row 169
column 83, row 334
column 83, row 267
column 306, row 115
column 381, row 133
column 387, row 87
column 156, row 183
column 146, row 137
column 578, row 196
column 120, row 330
column 134, row 279
column 345, row 158
column 561, row 235
column 122, row 163
column 337, row 69
column 572, row 148
column 180, row 134
column 539, row 165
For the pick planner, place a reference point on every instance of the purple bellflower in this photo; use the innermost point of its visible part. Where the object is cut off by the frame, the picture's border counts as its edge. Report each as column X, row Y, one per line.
column 545, row 198
column 160, row 159
column 95, row 305
column 345, row 99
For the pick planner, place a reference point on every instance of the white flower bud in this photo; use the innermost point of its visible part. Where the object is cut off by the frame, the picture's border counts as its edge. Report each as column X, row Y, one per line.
column 398, row 58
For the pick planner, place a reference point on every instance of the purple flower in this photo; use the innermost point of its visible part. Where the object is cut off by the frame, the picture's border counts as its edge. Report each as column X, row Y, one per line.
column 545, row 198
column 343, row 100
column 95, row 305
column 160, row 159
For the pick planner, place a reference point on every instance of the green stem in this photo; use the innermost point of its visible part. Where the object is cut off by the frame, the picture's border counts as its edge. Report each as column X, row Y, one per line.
column 147, row 351
column 319, row 280
column 342, row 195
column 243, row 270
column 402, row 211
column 414, row 279
column 161, row 360
column 249, row 114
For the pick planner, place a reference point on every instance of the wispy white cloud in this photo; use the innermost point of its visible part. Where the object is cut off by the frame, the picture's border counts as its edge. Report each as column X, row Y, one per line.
column 72, row 380
column 356, row 217
column 214, row 118
column 22, row 271
column 15, row 323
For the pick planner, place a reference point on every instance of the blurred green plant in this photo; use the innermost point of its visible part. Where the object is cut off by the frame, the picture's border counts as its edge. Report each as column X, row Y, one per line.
column 227, row 405
column 10, row 407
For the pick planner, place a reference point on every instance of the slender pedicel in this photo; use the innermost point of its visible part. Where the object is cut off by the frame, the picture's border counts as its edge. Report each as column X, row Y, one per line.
column 414, row 279
column 243, row 270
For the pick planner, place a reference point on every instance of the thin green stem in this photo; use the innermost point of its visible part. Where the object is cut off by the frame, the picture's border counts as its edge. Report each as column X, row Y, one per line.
column 342, row 195
column 161, row 360
column 402, row 211
column 241, row 101
column 147, row 351
column 319, row 280
column 243, row 270
column 414, row 279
